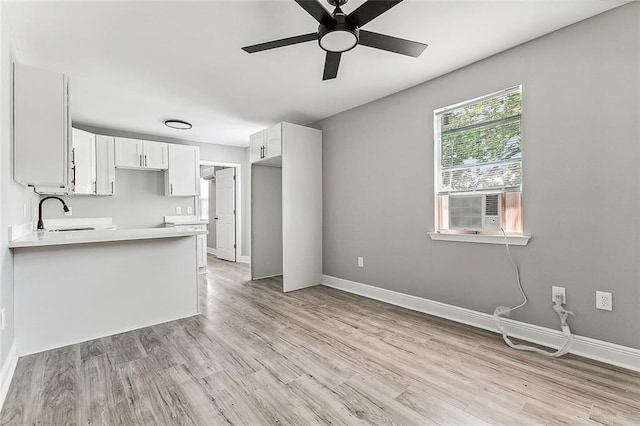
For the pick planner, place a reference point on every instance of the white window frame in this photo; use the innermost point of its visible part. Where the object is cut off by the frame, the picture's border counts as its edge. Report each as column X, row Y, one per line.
column 454, row 235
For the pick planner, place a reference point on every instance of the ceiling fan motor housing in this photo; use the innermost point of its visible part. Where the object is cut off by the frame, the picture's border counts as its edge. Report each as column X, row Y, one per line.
column 338, row 36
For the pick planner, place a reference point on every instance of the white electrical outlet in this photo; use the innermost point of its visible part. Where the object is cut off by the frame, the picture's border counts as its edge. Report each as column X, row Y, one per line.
column 178, row 210
column 189, row 210
column 604, row 300
column 558, row 293
column 360, row 262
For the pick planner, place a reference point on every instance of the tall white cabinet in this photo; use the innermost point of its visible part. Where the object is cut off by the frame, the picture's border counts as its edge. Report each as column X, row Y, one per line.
column 286, row 205
column 41, row 128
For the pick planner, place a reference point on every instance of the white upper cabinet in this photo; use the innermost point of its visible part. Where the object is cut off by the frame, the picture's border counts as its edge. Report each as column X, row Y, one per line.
column 266, row 144
column 41, row 128
column 155, row 155
column 139, row 154
column 256, row 142
column 92, row 164
column 105, row 165
column 83, row 162
column 128, row 153
column 183, row 177
column 273, row 141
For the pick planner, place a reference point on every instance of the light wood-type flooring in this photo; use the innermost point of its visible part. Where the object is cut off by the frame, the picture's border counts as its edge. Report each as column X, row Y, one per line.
column 257, row 356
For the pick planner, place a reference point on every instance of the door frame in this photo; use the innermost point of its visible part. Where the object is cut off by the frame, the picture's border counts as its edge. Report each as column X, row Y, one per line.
column 238, row 198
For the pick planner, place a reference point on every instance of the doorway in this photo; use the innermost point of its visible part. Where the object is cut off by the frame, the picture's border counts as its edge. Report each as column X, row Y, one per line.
column 219, row 202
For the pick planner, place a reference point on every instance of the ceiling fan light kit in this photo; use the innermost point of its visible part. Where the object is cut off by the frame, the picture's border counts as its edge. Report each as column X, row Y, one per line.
column 339, row 33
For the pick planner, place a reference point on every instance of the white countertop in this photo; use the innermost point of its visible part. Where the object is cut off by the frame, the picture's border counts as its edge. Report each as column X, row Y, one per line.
column 43, row 238
column 184, row 220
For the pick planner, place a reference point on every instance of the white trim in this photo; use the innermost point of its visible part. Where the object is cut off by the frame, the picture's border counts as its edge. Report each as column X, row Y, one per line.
column 244, row 259
column 599, row 350
column 212, row 251
column 514, row 240
column 6, row 373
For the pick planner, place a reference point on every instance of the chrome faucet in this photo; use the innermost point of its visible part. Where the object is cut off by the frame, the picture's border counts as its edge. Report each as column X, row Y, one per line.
column 40, row 222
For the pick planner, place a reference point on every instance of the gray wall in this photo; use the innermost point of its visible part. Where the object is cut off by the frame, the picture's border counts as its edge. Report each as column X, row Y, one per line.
column 581, row 138
column 139, row 201
column 208, row 152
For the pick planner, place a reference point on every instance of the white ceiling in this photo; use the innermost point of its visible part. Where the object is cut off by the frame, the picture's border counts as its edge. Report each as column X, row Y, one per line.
column 135, row 64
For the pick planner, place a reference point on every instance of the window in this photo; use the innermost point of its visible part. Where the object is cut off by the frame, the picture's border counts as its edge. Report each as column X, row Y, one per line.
column 204, row 199
column 478, row 152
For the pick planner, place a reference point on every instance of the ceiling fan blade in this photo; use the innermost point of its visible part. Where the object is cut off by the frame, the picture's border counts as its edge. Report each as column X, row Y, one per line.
column 316, row 10
column 371, row 10
column 331, row 64
column 391, row 44
column 281, row 43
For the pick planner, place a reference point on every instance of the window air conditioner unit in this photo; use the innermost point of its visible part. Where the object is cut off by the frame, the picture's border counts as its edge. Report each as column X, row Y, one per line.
column 475, row 212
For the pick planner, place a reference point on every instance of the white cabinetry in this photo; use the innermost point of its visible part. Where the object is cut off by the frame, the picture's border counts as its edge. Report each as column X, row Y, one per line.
column 266, row 143
column 139, row 154
column 41, row 128
column 92, row 164
column 286, row 209
column 105, row 165
column 183, row 177
column 83, row 162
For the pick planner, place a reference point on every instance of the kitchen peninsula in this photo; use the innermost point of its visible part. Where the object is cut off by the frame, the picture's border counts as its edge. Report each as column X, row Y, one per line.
column 75, row 286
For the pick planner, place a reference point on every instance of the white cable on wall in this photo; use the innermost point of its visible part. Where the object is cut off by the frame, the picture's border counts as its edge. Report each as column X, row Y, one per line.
column 505, row 311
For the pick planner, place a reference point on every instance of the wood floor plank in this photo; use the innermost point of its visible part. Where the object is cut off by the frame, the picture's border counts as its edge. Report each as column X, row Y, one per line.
column 258, row 356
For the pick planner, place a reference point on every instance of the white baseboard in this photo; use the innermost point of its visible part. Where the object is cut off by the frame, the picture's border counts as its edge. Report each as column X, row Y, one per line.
column 244, row 259
column 6, row 373
column 598, row 350
column 212, row 251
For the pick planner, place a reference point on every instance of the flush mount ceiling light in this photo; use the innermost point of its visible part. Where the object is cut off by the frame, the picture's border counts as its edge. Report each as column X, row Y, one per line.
column 178, row 124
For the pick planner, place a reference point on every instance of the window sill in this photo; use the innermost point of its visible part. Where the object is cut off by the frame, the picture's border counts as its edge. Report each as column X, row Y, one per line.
column 514, row 240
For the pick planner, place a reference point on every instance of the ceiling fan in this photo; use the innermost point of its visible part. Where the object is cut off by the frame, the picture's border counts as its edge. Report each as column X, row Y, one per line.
column 339, row 33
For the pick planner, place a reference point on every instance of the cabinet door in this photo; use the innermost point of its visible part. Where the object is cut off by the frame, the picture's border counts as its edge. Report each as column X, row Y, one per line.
column 183, row 177
column 83, row 160
column 201, row 247
column 273, row 141
column 41, row 127
column 257, row 143
column 128, row 153
column 105, row 165
column 155, row 155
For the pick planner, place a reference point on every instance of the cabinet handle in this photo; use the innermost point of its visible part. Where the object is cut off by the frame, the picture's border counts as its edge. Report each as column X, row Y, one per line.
column 95, row 186
column 145, row 160
column 111, row 187
column 140, row 160
column 171, row 189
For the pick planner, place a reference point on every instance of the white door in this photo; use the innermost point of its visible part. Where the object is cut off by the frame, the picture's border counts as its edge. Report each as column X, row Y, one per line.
column 128, row 153
column 105, row 165
column 184, row 178
column 225, row 214
column 83, row 157
column 155, row 155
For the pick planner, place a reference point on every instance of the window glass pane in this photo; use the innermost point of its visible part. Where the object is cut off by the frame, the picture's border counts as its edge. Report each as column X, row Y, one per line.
column 483, row 111
column 488, row 176
column 482, row 144
column 204, row 199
